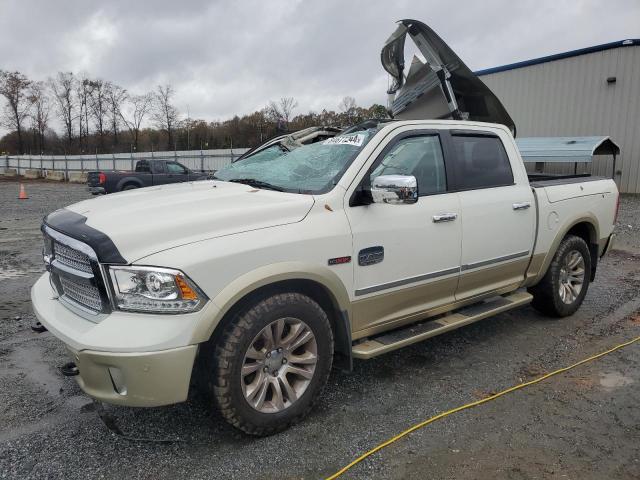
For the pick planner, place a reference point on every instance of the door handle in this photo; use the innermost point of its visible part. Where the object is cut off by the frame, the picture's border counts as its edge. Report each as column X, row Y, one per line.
column 521, row 206
column 444, row 217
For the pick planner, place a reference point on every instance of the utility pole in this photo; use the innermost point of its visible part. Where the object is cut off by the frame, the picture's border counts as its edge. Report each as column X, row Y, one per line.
column 188, row 127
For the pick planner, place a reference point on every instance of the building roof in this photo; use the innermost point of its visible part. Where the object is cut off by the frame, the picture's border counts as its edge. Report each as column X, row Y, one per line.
column 560, row 56
column 565, row 149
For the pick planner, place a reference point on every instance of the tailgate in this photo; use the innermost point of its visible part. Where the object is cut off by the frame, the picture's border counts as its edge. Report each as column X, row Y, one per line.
column 93, row 179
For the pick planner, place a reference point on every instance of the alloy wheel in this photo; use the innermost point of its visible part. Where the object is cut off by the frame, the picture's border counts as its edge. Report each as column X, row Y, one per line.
column 572, row 275
column 279, row 365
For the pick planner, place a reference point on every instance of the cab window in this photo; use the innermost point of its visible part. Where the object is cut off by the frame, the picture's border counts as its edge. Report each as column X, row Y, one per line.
column 173, row 167
column 480, row 162
column 419, row 156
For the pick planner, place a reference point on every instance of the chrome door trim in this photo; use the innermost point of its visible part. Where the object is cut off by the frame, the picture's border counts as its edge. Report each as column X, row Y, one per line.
column 484, row 263
column 406, row 281
column 440, row 273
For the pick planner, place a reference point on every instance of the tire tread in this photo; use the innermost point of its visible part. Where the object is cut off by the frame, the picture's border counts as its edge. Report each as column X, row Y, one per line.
column 218, row 360
column 545, row 297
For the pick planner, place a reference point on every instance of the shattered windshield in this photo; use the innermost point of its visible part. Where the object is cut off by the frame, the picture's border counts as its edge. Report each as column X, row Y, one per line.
column 268, row 153
column 310, row 169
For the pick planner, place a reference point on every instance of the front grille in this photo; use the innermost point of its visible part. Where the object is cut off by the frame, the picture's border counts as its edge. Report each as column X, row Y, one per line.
column 75, row 273
column 72, row 258
column 86, row 295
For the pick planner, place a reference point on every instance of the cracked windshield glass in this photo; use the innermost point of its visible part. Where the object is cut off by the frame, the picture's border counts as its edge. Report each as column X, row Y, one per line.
column 310, row 169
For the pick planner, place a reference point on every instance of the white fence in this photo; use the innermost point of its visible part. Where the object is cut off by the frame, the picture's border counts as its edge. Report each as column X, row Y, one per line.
column 207, row 160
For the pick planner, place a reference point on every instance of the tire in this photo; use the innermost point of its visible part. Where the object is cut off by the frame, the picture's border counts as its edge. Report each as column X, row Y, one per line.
column 242, row 358
column 548, row 297
column 129, row 186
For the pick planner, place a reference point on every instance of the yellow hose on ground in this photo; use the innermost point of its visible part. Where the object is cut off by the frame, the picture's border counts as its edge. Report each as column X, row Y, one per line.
column 440, row 416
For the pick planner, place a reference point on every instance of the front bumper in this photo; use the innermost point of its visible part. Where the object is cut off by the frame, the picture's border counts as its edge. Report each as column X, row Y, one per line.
column 155, row 358
column 147, row 379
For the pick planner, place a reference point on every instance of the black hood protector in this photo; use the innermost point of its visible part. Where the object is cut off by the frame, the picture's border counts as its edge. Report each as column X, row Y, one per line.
column 74, row 225
column 443, row 87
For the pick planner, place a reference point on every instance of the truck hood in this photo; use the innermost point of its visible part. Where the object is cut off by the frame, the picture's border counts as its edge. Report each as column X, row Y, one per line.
column 441, row 87
column 147, row 220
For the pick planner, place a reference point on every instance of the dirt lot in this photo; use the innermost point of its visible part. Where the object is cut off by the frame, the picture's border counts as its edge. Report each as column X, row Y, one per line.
column 584, row 424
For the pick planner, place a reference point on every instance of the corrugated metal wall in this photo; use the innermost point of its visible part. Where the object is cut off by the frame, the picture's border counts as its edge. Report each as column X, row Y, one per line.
column 571, row 97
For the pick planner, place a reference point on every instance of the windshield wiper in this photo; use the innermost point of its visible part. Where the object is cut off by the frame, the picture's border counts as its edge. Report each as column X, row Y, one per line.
column 252, row 182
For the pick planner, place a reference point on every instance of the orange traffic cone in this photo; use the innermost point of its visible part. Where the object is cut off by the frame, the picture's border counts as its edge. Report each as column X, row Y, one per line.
column 23, row 194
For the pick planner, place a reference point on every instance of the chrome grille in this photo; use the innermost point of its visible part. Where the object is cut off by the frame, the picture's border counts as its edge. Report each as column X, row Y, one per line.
column 72, row 258
column 86, row 295
column 75, row 274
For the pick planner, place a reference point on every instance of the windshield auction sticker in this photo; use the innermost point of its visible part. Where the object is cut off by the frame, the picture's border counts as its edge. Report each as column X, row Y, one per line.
column 356, row 140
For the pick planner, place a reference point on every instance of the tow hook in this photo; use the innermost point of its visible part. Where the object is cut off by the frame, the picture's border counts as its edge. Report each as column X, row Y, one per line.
column 69, row 369
column 38, row 327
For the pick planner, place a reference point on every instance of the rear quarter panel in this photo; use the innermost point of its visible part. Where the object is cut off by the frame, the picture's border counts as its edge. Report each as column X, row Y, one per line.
column 560, row 207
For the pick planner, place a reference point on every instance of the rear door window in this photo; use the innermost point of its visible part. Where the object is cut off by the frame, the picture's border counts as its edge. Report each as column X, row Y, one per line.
column 143, row 166
column 157, row 167
column 176, row 168
column 480, row 162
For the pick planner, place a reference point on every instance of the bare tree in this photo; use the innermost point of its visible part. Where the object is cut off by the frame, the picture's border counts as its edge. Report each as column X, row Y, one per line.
column 83, row 91
column 165, row 114
column 98, row 106
column 40, row 112
column 116, row 96
column 14, row 87
column 281, row 111
column 62, row 87
column 348, row 106
column 138, row 108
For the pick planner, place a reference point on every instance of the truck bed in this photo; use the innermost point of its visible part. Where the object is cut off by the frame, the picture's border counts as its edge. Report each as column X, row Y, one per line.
column 546, row 180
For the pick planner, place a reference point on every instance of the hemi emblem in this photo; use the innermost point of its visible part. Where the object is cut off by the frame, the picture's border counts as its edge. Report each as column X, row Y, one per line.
column 339, row 260
column 370, row 256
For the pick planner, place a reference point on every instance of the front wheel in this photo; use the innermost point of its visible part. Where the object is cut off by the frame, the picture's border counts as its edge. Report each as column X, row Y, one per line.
column 270, row 363
column 563, row 288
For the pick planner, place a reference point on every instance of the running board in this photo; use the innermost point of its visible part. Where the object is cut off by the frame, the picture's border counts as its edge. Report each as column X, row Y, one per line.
column 389, row 341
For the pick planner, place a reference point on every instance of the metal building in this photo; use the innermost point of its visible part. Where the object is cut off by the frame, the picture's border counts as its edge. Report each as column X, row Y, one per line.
column 587, row 92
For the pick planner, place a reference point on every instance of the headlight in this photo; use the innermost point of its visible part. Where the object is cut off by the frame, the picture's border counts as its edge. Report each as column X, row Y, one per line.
column 154, row 290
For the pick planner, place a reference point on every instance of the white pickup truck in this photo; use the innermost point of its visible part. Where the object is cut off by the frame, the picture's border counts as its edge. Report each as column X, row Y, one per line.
column 348, row 248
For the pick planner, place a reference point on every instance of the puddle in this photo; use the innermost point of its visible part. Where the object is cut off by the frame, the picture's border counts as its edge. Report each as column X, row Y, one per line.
column 38, row 371
column 613, row 380
column 7, row 273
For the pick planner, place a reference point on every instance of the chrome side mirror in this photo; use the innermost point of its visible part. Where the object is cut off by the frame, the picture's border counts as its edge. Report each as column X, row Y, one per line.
column 395, row 189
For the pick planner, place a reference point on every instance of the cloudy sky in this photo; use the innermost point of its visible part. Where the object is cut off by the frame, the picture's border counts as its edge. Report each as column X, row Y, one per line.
column 227, row 58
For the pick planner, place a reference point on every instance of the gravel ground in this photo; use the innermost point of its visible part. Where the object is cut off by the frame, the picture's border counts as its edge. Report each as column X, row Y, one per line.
column 583, row 424
column 628, row 228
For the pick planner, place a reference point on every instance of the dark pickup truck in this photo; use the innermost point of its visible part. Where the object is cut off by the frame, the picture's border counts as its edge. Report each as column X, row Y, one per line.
column 146, row 174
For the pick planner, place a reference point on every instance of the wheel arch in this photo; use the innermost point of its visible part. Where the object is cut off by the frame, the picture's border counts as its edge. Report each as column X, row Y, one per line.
column 584, row 227
column 128, row 181
column 320, row 284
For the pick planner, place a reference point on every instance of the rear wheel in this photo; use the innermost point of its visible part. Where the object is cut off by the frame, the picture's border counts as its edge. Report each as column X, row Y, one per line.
column 130, row 186
column 270, row 363
column 563, row 288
